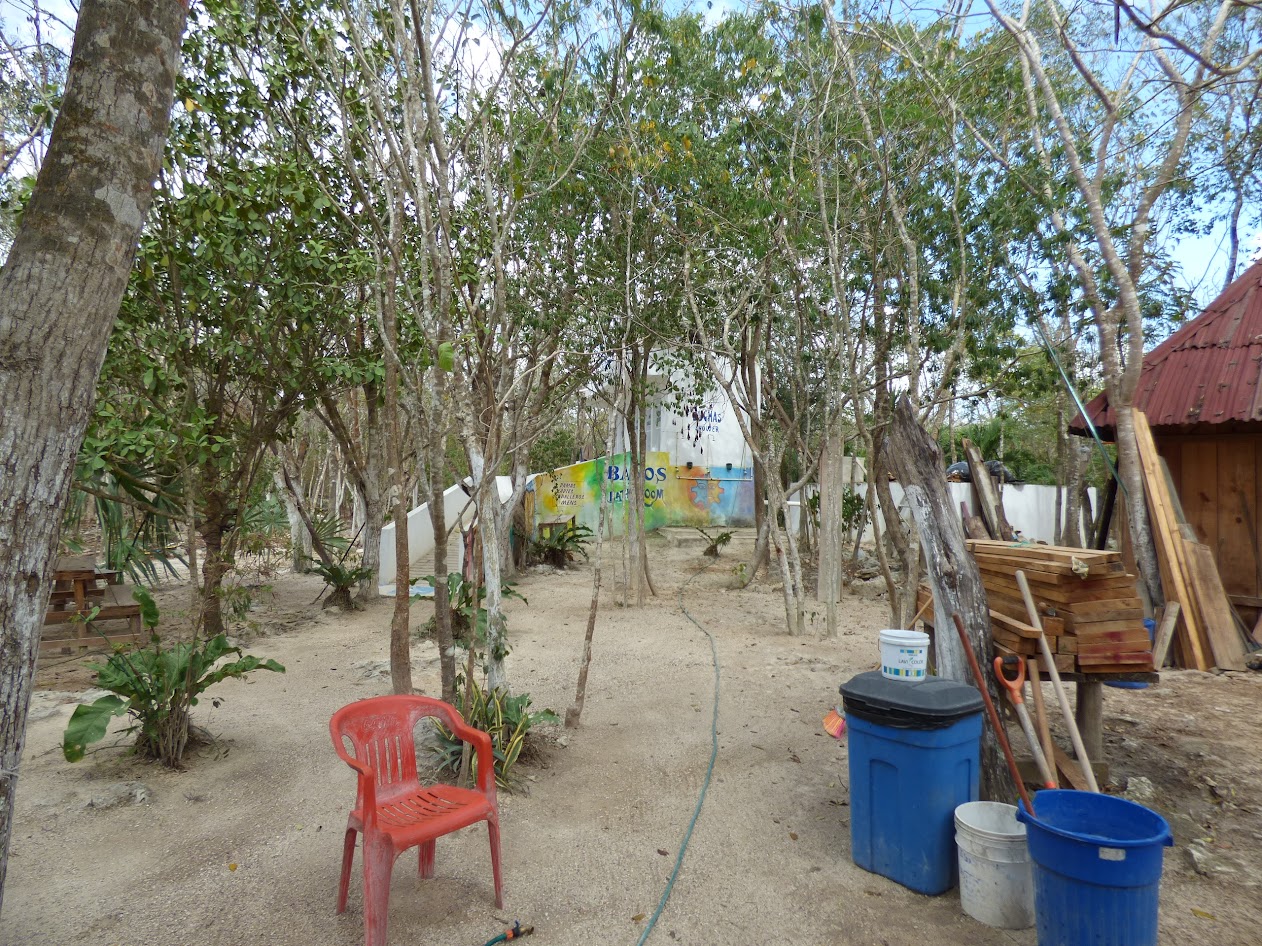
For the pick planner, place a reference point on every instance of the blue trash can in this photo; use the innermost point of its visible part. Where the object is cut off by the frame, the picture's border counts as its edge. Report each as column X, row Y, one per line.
column 1097, row 868
column 914, row 758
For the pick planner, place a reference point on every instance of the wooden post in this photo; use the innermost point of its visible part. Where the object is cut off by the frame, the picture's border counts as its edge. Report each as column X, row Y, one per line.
column 952, row 572
column 1089, row 714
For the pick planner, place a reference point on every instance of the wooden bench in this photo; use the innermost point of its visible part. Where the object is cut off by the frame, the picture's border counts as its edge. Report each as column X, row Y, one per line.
column 70, row 630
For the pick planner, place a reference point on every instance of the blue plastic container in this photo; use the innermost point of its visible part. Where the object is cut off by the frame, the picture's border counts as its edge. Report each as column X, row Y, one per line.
column 914, row 758
column 1097, row 868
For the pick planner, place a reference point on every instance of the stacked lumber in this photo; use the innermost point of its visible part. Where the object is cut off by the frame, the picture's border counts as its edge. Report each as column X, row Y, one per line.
column 1087, row 603
column 1085, row 594
column 1206, row 630
column 1013, row 637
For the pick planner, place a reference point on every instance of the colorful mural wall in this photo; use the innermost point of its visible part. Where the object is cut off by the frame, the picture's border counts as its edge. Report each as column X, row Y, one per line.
column 673, row 495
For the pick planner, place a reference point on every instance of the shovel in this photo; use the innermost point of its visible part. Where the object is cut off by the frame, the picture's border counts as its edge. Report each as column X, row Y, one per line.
column 1015, row 688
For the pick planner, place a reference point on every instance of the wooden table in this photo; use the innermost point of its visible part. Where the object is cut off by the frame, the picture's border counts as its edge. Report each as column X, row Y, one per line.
column 83, row 595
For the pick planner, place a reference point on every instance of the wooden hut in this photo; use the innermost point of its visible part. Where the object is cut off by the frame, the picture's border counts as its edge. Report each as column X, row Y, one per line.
column 1201, row 390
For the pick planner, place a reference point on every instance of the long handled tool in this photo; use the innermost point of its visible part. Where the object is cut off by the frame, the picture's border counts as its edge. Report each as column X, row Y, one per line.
column 1040, row 716
column 1015, row 688
column 1049, row 662
column 992, row 712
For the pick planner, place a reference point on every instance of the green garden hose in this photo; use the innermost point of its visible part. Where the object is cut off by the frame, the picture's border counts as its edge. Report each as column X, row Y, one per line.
column 516, row 932
column 705, row 786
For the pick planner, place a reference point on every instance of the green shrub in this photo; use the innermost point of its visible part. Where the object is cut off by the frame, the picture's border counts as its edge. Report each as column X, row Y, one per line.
column 561, row 547
column 156, row 686
column 716, row 541
column 460, row 598
column 339, row 579
column 506, row 719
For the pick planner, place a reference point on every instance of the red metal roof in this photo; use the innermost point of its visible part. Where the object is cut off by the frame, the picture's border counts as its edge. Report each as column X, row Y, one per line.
column 1208, row 372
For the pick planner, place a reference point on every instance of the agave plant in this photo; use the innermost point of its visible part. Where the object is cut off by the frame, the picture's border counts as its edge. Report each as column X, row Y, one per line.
column 560, row 548
column 506, row 719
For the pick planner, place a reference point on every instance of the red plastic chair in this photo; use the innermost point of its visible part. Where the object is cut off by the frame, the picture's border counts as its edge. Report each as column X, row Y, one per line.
column 393, row 810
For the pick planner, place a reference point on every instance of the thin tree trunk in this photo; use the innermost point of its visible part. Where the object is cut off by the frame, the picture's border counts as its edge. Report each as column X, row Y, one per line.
column 574, row 713
column 400, row 643
column 213, row 570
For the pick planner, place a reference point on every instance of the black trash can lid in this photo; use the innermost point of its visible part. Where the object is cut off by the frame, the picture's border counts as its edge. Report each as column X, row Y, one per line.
column 931, row 703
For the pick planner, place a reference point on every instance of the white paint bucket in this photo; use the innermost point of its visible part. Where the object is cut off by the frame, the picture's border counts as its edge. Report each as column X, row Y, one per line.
column 904, row 655
column 996, row 877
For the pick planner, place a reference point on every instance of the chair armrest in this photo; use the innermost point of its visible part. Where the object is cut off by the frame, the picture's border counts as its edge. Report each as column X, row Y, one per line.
column 481, row 743
column 367, row 786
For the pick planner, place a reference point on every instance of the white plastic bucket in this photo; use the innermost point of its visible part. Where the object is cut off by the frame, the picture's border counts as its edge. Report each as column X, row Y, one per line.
column 904, row 655
column 996, row 877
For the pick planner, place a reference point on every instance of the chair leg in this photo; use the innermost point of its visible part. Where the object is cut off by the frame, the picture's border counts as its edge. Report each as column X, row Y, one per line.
column 348, row 857
column 378, row 865
column 426, row 860
column 493, row 829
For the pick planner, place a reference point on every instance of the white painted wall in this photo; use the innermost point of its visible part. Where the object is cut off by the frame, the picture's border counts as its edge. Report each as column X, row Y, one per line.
column 1031, row 510
column 421, row 532
column 706, row 433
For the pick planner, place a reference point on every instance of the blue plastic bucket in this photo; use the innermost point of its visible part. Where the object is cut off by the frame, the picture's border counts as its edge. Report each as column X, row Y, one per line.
column 1097, row 868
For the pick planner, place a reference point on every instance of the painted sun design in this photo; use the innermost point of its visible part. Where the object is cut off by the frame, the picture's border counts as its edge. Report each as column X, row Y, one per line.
column 706, row 493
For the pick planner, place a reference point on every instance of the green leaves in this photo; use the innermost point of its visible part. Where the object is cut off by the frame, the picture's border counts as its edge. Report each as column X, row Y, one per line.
column 88, row 724
column 446, row 357
column 156, row 685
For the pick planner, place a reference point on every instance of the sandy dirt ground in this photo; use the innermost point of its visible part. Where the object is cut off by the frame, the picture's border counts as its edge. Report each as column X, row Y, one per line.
column 243, row 846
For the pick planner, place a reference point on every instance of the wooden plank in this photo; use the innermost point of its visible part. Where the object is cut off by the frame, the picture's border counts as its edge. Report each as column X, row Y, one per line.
column 1064, row 662
column 1085, row 609
column 1169, row 545
column 988, row 499
column 1012, row 625
column 1165, row 634
column 1135, row 632
column 1065, row 645
column 1236, row 475
column 1198, row 488
column 1220, row 626
column 1114, row 660
column 1052, row 573
column 1062, row 597
column 1034, row 552
column 974, row 527
column 1129, row 673
column 1096, row 628
column 1050, row 585
column 1069, row 770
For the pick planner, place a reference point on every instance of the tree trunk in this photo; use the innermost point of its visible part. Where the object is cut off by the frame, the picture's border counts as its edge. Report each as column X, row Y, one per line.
column 490, row 523
column 373, row 497
column 1141, row 531
column 574, row 713
column 443, row 635
column 831, row 496
column 953, row 574
column 213, row 570
column 60, row 290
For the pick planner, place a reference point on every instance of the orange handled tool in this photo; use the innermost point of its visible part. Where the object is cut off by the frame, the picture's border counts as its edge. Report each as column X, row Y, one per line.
column 1015, row 688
